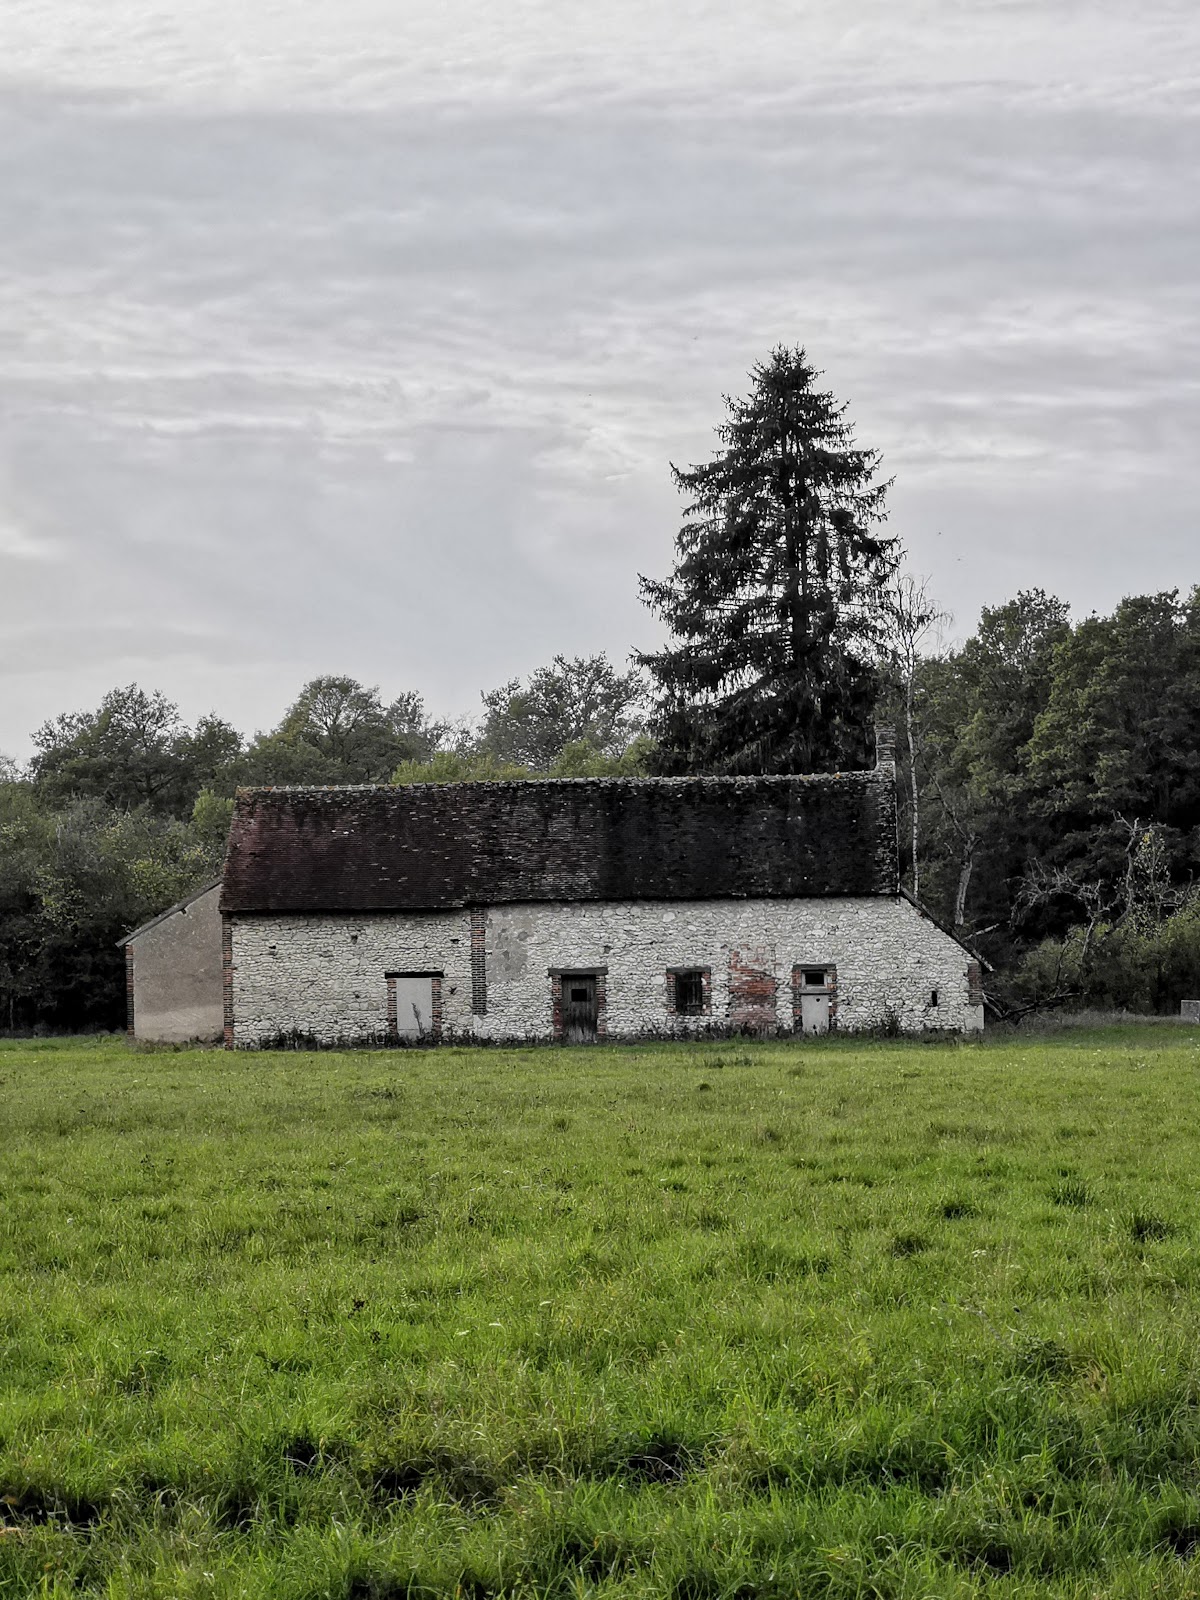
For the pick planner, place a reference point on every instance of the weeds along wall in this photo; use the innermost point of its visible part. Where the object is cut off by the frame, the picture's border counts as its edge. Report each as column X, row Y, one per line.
column 325, row 978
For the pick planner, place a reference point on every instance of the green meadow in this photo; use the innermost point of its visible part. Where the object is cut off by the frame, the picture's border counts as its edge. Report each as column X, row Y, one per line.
column 829, row 1318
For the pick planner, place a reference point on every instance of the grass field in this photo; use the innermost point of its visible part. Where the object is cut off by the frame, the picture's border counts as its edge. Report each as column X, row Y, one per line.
column 816, row 1319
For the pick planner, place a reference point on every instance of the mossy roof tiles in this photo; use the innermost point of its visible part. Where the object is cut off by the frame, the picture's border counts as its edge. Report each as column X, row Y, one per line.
column 440, row 846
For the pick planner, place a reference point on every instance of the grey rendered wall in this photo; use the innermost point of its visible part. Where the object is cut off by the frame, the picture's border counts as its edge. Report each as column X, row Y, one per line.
column 325, row 976
column 177, row 975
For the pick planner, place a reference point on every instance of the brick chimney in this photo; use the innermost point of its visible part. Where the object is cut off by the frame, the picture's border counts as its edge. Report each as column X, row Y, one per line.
column 885, row 749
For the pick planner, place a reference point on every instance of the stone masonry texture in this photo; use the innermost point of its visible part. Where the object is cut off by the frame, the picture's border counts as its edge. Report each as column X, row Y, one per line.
column 323, row 976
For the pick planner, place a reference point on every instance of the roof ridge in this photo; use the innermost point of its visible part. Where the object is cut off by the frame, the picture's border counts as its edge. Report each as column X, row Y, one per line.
column 685, row 780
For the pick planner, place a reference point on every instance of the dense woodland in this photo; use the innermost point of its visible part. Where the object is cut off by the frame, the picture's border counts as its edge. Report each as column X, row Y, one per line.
column 1049, row 769
column 1057, row 797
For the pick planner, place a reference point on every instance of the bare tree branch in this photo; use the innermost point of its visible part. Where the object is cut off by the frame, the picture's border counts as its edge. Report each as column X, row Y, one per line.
column 909, row 616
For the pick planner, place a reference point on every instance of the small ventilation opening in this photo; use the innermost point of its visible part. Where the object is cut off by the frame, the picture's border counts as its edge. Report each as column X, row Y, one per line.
column 814, row 977
column 933, row 998
column 579, row 994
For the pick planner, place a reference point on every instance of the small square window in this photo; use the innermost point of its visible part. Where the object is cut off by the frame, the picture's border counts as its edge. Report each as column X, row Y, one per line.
column 689, row 993
column 579, row 994
column 814, row 977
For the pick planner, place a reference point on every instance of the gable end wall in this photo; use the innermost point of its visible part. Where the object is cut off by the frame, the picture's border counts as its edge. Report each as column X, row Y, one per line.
column 173, row 975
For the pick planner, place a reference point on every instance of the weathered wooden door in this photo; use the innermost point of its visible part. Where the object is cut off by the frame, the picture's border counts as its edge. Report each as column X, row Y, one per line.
column 816, row 1001
column 414, row 1008
column 580, row 1011
column 814, row 1013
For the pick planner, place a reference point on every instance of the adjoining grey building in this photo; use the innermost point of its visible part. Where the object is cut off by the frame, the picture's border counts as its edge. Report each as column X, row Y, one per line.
column 579, row 910
column 173, row 973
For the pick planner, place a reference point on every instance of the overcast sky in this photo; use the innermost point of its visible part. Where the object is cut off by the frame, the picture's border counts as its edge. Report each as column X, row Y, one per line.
column 356, row 336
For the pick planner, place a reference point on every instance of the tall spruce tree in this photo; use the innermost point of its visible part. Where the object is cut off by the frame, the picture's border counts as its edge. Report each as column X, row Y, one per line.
column 777, row 596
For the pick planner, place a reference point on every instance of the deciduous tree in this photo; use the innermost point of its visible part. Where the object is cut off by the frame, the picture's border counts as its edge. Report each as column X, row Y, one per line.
column 339, row 731
column 582, row 701
column 910, row 617
column 133, row 750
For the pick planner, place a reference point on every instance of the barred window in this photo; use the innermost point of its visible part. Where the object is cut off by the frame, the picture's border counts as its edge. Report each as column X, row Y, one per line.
column 689, row 992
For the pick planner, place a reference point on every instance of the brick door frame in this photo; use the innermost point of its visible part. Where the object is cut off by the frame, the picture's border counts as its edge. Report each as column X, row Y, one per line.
column 435, row 1021
column 556, row 976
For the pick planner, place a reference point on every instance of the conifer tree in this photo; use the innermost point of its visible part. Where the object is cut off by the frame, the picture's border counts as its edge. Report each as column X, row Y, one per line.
column 776, row 601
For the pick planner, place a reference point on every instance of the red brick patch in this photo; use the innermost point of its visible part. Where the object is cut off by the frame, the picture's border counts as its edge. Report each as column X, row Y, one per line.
column 752, row 987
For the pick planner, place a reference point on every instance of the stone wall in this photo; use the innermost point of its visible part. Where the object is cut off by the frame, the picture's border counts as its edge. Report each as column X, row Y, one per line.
column 325, row 977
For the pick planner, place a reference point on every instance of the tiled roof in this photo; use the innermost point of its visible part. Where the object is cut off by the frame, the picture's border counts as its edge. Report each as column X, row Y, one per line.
column 438, row 846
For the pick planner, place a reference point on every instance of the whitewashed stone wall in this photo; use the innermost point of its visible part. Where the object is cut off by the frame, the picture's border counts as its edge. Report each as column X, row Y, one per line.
column 325, row 976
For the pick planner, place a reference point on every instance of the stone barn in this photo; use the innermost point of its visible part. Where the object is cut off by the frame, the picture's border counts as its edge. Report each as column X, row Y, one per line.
column 173, row 978
column 579, row 910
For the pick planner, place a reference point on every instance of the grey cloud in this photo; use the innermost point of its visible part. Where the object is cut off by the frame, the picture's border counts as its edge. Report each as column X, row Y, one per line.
column 394, row 392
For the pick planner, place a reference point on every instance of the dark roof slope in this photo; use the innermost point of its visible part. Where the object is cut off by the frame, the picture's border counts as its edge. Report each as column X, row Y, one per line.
column 437, row 846
column 180, row 905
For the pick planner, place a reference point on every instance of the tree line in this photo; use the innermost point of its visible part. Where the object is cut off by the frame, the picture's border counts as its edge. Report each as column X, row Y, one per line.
column 1049, row 770
column 124, row 809
column 1050, row 784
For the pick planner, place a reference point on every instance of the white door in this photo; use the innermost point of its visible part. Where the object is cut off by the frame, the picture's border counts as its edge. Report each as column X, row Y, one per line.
column 414, row 1008
column 814, row 1012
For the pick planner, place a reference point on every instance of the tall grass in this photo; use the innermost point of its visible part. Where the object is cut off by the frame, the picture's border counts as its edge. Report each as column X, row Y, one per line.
column 822, row 1318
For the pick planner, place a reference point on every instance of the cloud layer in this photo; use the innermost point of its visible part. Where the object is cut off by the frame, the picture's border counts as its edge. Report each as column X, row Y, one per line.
column 332, row 347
